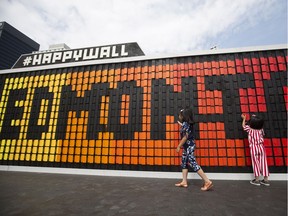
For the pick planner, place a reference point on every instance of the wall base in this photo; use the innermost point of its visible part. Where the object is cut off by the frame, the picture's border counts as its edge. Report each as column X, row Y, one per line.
column 139, row 174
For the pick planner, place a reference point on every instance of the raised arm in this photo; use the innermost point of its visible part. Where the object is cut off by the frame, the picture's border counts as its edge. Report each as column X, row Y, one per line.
column 243, row 116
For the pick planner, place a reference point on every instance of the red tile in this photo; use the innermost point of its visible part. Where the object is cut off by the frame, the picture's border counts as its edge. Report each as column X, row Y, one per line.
column 279, row 161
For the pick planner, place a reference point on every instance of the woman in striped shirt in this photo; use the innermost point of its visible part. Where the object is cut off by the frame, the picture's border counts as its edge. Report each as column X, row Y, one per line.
column 254, row 128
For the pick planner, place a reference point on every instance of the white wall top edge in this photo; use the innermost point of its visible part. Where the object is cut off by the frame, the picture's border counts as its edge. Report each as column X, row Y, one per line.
column 143, row 58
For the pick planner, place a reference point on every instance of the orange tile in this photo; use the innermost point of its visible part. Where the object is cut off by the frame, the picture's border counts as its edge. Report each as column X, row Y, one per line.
column 142, row 135
column 219, row 109
column 230, row 143
column 213, row 161
column 127, row 143
column 120, row 143
column 213, row 152
column 119, row 160
column 119, row 151
column 138, row 76
column 241, row 162
column 142, row 152
column 112, row 151
column 84, row 151
column 231, row 152
column 231, row 161
column 158, row 160
column 201, row 126
column 209, row 109
column 134, row 151
column 65, row 150
column 71, row 151
column 212, row 135
column 111, row 160
column 142, row 160
column 64, row 158
column 150, row 160
column 223, row 162
column 222, row 152
column 90, row 159
column 142, row 143
column 76, row 159
column 231, row 70
column 150, row 152
column 150, row 143
column 83, row 159
column 134, row 160
column 104, row 151
column 239, row 143
column 166, row 161
column 204, row 161
column 158, row 152
column 220, row 134
column 203, row 134
column 204, row 152
column 127, row 151
column 126, row 160
column 212, row 143
column 134, row 143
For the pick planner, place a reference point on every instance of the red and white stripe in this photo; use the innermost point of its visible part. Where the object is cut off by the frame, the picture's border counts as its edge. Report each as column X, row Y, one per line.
column 257, row 151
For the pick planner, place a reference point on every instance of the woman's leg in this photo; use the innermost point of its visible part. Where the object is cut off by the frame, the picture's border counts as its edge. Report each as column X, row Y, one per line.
column 184, row 182
column 184, row 160
column 184, row 174
column 192, row 161
column 203, row 175
column 194, row 165
column 207, row 183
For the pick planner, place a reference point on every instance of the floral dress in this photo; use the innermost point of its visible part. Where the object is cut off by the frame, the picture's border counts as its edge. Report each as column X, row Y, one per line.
column 188, row 158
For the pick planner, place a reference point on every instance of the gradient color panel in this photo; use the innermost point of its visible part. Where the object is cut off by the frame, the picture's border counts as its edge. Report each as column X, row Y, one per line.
column 124, row 115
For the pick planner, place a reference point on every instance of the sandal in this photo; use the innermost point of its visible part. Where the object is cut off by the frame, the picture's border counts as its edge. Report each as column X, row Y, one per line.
column 207, row 186
column 181, row 185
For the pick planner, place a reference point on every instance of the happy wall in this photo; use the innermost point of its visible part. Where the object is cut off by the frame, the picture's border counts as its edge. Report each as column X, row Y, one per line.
column 124, row 115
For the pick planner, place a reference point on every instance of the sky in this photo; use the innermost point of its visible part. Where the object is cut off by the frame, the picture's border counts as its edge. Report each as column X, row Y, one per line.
column 158, row 26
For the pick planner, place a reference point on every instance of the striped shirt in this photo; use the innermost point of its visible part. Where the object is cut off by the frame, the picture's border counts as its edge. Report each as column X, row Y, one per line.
column 255, row 136
column 257, row 151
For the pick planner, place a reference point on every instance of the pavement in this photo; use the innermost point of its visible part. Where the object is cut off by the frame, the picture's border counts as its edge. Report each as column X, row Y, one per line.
column 37, row 194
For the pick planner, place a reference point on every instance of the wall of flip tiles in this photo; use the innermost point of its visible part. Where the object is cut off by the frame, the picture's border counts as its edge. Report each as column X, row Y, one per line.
column 124, row 115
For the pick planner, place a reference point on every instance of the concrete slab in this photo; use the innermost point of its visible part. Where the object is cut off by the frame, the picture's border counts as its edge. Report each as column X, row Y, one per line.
column 37, row 194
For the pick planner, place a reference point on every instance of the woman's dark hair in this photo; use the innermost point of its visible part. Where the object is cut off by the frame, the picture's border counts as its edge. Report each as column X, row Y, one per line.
column 188, row 115
column 256, row 122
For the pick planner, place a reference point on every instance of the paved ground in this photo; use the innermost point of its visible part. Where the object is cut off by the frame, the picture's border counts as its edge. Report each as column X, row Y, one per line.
column 37, row 194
